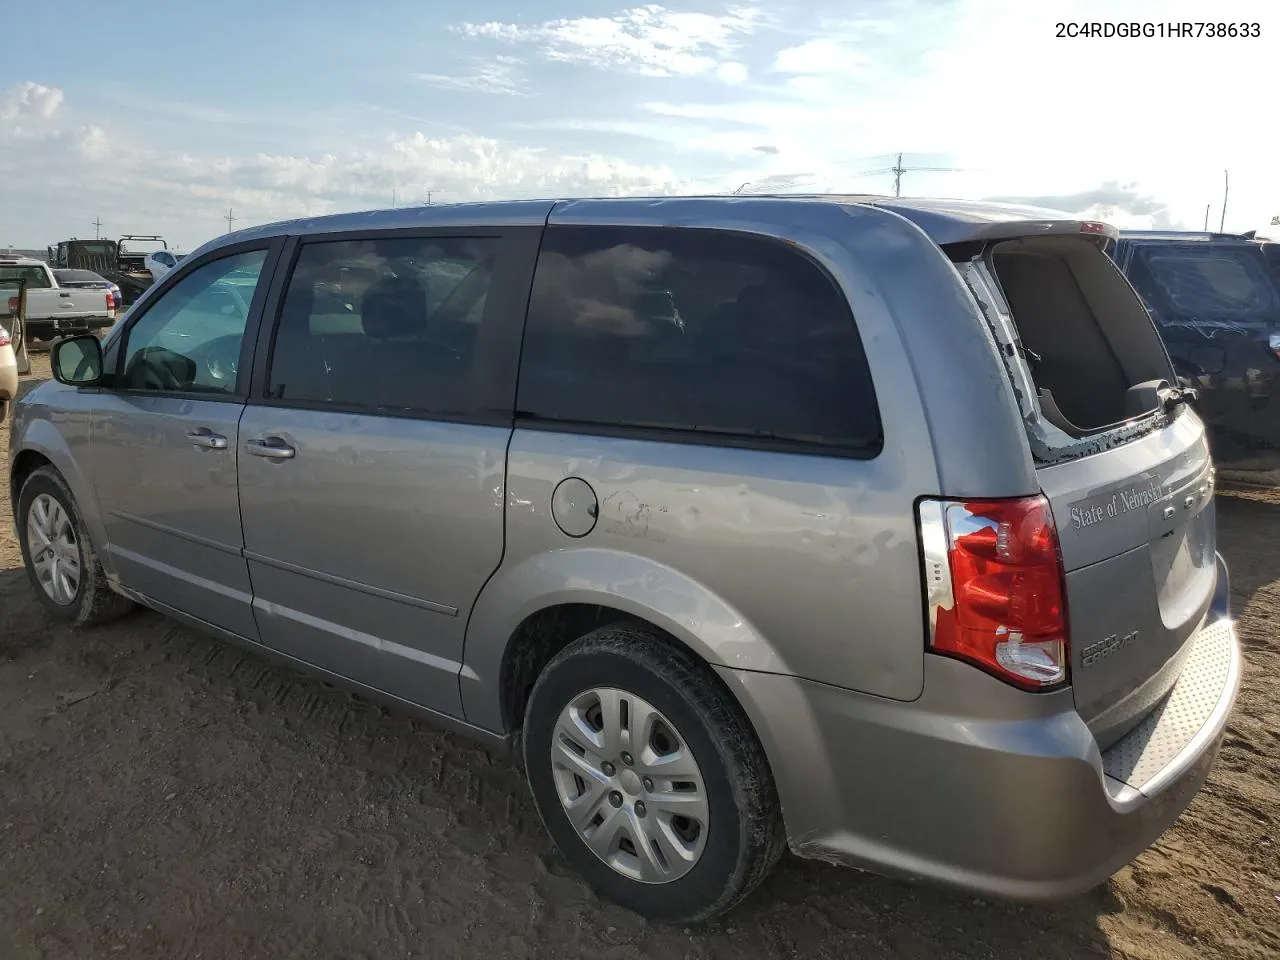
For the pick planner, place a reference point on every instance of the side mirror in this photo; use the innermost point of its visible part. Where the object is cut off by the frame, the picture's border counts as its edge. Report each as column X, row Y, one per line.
column 77, row 361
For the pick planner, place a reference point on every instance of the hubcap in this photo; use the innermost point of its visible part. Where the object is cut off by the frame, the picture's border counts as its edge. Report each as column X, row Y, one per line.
column 630, row 785
column 55, row 555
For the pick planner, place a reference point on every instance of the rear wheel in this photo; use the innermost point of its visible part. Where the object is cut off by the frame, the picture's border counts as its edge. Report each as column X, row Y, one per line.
column 649, row 777
column 61, row 563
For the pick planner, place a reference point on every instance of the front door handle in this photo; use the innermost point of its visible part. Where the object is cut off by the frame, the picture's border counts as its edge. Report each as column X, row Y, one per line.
column 207, row 440
column 273, row 448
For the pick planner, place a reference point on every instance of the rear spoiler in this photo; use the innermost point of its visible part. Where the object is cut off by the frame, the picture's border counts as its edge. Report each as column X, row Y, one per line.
column 966, row 222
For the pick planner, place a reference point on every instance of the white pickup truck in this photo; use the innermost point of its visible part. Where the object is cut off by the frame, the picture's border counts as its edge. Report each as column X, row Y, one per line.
column 54, row 311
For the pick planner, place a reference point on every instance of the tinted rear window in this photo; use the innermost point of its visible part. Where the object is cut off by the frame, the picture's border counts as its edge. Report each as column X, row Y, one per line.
column 1207, row 283
column 698, row 331
column 77, row 276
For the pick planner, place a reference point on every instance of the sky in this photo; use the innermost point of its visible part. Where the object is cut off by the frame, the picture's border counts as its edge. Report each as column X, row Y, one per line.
column 167, row 120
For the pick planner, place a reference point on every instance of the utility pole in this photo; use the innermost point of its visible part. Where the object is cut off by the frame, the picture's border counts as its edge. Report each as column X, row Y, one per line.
column 1226, row 188
column 230, row 219
column 97, row 228
column 1206, row 217
column 898, row 170
column 428, row 198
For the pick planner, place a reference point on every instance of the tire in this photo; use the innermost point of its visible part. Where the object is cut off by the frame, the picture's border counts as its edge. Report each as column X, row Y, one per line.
column 92, row 601
column 742, row 837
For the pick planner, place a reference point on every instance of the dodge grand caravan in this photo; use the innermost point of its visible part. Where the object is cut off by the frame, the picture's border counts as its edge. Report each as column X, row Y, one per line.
column 876, row 529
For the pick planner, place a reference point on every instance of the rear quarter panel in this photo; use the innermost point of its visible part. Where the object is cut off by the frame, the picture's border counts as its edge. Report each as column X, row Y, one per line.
column 765, row 561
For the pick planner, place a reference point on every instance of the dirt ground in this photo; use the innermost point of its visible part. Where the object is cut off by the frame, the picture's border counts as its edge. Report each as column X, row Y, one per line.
column 165, row 796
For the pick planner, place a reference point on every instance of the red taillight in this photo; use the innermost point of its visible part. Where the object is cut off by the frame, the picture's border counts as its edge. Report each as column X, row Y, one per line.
column 4, row 337
column 994, row 577
column 1093, row 227
column 111, row 301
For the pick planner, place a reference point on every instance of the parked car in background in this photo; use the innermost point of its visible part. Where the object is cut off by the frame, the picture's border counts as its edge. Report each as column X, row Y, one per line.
column 160, row 262
column 8, row 371
column 54, row 310
column 876, row 528
column 1271, row 250
column 1216, row 301
column 88, row 280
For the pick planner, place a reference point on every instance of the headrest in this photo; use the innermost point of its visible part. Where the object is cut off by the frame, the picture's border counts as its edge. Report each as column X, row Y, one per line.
column 299, row 304
column 394, row 307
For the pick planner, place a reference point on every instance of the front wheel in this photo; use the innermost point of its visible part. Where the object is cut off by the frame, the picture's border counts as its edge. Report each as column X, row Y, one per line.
column 648, row 776
column 61, row 563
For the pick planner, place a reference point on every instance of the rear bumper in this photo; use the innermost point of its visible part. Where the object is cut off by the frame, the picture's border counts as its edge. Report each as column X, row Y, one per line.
column 47, row 329
column 980, row 787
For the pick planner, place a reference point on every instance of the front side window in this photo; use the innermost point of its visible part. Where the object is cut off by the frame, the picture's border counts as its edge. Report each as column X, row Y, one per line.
column 189, row 340
column 699, row 331
column 384, row 325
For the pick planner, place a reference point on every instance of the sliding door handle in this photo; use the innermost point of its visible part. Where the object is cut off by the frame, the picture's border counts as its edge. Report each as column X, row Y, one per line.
column 207, row 440
column 273, row 448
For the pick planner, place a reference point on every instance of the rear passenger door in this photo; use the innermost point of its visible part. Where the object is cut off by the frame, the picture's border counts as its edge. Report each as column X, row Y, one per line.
column 373, row 452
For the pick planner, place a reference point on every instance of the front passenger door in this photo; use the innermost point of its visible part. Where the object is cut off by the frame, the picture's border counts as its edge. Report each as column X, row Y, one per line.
column 165, row 436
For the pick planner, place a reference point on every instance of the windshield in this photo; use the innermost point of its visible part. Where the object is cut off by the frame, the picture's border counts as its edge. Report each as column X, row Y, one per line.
column 140, row 248
column 77, row 276
column 35, row 276
column 1199, row 282
column 91, row 246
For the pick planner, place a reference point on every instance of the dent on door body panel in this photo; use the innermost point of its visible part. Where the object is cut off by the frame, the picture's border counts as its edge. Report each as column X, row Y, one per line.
column 368, row 547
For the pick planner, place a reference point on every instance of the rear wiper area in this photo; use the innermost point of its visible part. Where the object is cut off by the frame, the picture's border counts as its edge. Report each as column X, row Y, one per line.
column 1157, row 395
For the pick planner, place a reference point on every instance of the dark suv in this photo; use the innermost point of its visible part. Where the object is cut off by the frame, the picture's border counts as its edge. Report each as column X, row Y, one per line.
column 1216, row 300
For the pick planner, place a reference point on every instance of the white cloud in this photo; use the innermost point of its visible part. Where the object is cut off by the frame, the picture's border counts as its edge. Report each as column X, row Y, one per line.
column 29, row 99
column 732, row 73
column 649, row 40
column 1137, row 131
column 987, row 87
column 84, row 172
column 500, row 75
column 818, row 56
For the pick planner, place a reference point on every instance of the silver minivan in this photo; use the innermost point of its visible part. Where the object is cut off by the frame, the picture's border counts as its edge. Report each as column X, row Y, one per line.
column 875, row 529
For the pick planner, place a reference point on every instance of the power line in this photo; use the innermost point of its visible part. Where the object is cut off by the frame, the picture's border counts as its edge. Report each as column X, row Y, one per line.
column 898, row 170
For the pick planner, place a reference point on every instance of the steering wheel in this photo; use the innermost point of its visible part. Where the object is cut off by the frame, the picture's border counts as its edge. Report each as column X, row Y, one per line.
column 221, row 360
column 152, row 369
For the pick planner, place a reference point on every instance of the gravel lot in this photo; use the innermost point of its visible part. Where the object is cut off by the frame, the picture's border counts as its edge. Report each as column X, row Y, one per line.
column 163, row 795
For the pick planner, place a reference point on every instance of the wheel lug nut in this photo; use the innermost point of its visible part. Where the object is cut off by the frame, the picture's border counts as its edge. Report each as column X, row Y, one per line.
column 626, row 758
column 608, row 768
column 615, row 798
column 648, row 783
column 639, row 808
